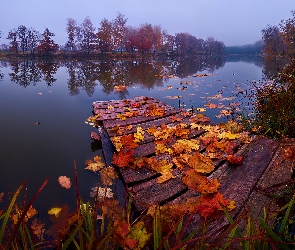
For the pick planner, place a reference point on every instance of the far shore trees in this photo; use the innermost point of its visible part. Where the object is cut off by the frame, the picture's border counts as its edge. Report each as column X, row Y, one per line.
column 112, row 36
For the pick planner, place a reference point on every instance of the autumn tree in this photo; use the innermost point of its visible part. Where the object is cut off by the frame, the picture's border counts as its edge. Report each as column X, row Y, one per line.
column 144, row 38
column 288, row 33
column 119, row 31
column 181, row 42
column 104, row 35
column 71, row 30
column 130, row 40
column 86, row 36
column 168, row 41
column 273, row 40
column 157, row 38
column 12, row 36
column 47, row 46
column 33, row 38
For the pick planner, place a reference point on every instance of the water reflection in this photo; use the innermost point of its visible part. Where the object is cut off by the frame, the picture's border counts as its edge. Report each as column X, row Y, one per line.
column 29, row 71
column 88, row 74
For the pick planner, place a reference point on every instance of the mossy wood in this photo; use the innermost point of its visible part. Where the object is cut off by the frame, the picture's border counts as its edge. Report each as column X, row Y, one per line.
column 263, row 165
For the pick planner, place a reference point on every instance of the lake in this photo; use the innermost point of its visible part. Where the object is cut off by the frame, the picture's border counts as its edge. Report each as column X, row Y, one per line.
column 44, row 105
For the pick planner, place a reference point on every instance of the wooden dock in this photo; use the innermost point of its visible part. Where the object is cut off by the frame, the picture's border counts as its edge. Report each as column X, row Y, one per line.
column 265, row 163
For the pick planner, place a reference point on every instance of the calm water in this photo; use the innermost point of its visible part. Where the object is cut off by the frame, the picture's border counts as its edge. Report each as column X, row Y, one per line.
column 58, row 95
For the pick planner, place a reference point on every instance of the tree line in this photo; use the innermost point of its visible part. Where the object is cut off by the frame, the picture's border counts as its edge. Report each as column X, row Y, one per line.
column 279, row 40
column 111, row 36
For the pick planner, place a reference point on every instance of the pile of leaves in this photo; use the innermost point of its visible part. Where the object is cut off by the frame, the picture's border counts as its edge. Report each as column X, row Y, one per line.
column 176, row 148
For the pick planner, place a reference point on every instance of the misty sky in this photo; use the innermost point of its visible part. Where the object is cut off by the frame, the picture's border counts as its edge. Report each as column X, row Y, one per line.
column 235, row 22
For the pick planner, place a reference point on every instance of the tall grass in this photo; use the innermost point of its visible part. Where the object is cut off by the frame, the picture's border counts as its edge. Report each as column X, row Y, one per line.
column 104, row 224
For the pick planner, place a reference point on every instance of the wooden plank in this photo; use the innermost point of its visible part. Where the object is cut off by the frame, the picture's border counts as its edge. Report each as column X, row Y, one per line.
column 151, row 192
column 239, row 184
column 278, row 171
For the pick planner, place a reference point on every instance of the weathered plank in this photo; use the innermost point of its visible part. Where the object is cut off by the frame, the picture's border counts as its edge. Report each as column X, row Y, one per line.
column 240, row 183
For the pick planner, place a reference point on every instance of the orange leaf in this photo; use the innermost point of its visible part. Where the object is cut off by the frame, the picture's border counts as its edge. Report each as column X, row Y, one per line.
column 209, row 186
column 192, row 178
column 128, row 141
column 122, row 159
column 200, row 163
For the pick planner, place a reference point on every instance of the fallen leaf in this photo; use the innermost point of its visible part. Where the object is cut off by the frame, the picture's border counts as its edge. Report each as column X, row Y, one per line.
column 192, row 179
column 107, row 175
column 123, row 159
column 94, row 165
column 236, row 160
column 38, row 229
column 200, row 163
column 120, row 88
column 54, row 211
column 208, row 186
column 65, row 182
column 95, row 136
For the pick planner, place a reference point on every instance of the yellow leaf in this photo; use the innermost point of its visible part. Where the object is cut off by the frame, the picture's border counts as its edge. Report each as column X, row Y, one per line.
column 228, row 135
column 121, row 116
column 117, row 142
column 139, row 135
column 55, row 211
column 231, row 205
column 201, row 109
column 165, row 177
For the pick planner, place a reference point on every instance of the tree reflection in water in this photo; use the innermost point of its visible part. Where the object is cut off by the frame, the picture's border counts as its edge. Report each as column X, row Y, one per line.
column 88, row 74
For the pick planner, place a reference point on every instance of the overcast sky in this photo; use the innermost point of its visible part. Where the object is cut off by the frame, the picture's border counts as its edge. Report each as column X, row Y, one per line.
column 235, row 22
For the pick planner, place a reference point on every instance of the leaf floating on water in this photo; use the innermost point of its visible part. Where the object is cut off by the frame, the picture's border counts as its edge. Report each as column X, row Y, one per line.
column 95, row 165
column 38, row 229
column 95, row 136
column 1, row 196
column 40, row 93
column 101, row 193
column 54, row 211
column 65, row 182
column 37, row 123
column 120, row 88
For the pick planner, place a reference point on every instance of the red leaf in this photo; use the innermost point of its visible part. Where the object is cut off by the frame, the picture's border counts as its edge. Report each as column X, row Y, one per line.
column 122, row 159
column 236, row 160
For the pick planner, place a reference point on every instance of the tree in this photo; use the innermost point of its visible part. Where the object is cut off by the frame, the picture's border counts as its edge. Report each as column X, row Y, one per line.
column 130, row 39
column 104, row 35
column 273, row 41
column 12, row 35
column 144, row 38
column 33, row 39
column 157, row 38
column 47, row 46
column 288, row 33
column 87, row 36
column 181, row 42
column 72, row 34
column 119, row 31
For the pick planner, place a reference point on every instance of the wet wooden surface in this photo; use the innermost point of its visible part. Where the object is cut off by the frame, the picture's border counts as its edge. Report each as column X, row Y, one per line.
column 263, row 165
